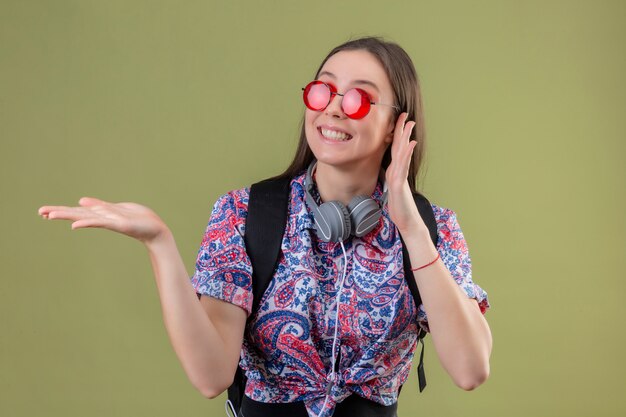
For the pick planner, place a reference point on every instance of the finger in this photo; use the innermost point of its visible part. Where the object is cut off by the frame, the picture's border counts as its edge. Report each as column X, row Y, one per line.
column 47, row 209
column 48, row 212
column 93, row 222
column 399, row 128
column 408, row 129
column 406, row 142
column 399, row 133
column 401, row 120
column 69, row 214
column 406, row 163
column 399, row 168
column 91, row 201
column 407, row 149
column 406, row 133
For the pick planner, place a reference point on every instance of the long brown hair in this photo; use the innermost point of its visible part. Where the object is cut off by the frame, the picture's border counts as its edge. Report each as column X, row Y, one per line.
column 407, row 97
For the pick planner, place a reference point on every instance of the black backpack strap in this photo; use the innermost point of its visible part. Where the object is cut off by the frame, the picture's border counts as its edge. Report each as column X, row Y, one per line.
column 426, row 211
column 265, row 226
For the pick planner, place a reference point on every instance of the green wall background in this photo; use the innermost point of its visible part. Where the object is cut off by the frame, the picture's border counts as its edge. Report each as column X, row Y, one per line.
column 170, row 104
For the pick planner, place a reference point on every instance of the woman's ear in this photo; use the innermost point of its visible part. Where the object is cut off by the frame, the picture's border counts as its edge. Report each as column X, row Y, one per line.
column 390, row 131
column 389, row 137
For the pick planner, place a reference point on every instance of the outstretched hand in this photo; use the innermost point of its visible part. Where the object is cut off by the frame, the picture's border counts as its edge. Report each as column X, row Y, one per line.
column 130, row 219
column 402, row 208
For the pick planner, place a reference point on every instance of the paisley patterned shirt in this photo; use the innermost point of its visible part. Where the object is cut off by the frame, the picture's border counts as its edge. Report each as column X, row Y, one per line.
column 287, row 349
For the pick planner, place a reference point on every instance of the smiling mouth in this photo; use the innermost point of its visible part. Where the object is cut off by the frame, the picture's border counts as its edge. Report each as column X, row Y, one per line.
column 334, row 135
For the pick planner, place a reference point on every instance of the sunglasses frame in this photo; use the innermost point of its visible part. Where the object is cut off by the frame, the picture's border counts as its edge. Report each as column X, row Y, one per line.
column 333, row 92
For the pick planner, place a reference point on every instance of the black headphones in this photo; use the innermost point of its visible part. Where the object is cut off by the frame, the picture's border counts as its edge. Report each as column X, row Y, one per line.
column 334, row 222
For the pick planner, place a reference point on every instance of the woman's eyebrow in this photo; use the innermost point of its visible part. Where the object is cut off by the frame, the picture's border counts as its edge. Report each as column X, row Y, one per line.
column 366, row 82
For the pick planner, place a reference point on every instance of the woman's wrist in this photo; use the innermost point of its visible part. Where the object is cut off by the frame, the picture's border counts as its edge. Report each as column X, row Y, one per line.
column 162, row 240
column 418, row 233
column 420, row 246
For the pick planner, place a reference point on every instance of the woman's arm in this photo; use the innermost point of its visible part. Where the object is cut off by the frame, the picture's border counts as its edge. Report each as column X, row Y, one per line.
column 206, row 335
column 460, row 333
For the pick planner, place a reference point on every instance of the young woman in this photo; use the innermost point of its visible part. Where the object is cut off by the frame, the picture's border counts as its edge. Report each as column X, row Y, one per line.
column 337, row 328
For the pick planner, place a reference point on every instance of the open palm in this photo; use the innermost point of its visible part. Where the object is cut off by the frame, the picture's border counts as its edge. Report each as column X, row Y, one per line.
column 130, row 219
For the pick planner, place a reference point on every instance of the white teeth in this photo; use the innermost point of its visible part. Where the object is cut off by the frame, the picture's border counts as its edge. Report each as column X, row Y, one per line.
column 333, row 134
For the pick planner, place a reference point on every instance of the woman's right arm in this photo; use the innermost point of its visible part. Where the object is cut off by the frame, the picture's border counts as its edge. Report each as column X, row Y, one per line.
column 206, row 335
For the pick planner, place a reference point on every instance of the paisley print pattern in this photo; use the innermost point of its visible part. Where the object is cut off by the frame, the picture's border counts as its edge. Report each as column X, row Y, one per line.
column 287, row 350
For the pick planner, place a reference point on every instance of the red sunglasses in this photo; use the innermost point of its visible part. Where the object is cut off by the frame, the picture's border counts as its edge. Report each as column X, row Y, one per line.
column 355, row 103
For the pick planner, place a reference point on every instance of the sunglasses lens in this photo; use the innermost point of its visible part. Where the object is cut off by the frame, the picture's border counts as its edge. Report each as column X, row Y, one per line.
column 316, row 95
column 355, row 103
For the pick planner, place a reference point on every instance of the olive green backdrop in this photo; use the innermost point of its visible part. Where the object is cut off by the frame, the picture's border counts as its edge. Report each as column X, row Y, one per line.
column 172, row 103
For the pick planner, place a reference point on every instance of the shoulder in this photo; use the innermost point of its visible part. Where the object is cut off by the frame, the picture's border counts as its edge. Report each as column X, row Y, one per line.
column 272, row 187
column 451, row 238
column 234, row 203
column 240, row 195
column 237, row 201
column 443, row 215
column 448, row 227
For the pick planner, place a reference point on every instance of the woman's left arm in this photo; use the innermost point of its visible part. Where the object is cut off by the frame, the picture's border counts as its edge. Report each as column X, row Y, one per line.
column 459, row 330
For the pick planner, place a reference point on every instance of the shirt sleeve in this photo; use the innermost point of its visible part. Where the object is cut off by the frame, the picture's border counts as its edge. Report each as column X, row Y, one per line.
column 223, row 269
column 452, row 248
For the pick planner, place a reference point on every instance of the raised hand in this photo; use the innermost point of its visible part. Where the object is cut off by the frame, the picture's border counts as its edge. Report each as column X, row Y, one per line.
column 130, row 219
column 402, row 209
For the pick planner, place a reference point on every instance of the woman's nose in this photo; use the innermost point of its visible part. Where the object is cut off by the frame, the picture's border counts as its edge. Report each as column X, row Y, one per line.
column 334, row 107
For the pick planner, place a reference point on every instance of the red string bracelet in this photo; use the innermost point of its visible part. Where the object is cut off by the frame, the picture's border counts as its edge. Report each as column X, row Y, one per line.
column 428, row 264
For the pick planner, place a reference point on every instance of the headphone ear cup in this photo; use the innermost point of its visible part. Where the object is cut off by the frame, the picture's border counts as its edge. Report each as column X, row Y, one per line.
column 334, row 224
column 364, row 213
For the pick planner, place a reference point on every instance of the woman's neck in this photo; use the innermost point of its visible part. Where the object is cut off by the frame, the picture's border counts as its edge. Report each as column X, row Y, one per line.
column 339, row 184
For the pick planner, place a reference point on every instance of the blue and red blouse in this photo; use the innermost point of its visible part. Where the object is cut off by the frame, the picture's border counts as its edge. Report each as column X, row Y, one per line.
column 287, row 348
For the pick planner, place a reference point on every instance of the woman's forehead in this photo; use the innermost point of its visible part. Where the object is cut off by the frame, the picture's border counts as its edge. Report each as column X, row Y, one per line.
column 358, row 65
